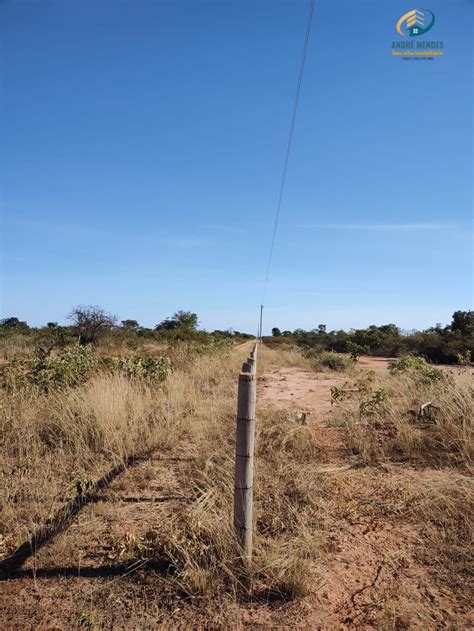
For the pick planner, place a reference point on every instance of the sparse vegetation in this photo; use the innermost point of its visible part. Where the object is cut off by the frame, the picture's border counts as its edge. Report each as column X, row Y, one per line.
column 418, row 414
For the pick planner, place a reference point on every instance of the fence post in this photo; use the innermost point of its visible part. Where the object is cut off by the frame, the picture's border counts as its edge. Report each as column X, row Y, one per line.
column 244, row 450
column 252, row 364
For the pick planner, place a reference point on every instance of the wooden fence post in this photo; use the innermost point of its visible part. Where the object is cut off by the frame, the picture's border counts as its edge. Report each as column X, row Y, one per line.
column 244, row 450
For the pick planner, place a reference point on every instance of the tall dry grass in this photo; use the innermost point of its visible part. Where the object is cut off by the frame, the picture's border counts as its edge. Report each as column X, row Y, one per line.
column 52, row 443
column 198, row 543
column 271, row 358
column 384, row 419
column 18, row 345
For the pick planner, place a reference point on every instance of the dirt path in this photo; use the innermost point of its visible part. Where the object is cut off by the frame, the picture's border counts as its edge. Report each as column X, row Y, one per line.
column 308, row 393
column 291, row 387
column 371, row 578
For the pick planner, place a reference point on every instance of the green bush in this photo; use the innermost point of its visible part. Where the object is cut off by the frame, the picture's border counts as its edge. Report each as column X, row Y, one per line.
column 356, row 350
column 419, row 368
column 52, row 369
column 465, row 359
column 336, row 362
column 66, row 367
column 151, row 368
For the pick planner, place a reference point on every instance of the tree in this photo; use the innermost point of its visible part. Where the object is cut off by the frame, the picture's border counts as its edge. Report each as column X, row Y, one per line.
column 276, row 332
column 91, row 323
column 14, row 325
column 184, row 320
column 463, row 321
column 322, row 328
column 356, row 350
column 130, row 325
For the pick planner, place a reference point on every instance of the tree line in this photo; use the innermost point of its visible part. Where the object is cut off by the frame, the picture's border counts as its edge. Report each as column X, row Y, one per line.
column 90, row 324
column 451, row 344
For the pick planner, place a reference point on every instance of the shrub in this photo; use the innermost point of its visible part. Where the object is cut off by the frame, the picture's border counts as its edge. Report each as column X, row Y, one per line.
column 336, row 362
column 151, row 368
column 419, row 368
column 13, row 325
column 465, row 359
column 65, row 367
column 356, row 350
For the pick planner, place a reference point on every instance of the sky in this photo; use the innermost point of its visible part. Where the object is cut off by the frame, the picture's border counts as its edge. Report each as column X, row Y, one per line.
column 142, row 149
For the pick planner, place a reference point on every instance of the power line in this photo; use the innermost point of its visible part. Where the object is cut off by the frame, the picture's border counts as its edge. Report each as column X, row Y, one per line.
column 288, row 148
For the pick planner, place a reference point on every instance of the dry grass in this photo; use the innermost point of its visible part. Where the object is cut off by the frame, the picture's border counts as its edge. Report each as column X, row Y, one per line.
column 198, row 543
column 433, row 491
column 382, row 416
column 52, row 442
column 308, row 359
column 270, row 358
column 443, row 505
column 15, row 345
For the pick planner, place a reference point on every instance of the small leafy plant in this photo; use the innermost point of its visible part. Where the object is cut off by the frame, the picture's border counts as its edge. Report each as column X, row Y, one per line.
column 84, row 485
column 373, row 402
column 88, row 620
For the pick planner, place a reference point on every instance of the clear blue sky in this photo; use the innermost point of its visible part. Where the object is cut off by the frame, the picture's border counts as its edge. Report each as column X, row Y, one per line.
column 143, row 143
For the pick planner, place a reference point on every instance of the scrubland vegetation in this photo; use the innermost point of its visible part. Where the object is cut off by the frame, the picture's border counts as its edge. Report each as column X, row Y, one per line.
column 92, row 325
column 66, row 421
column 417, row 413
column 452, row 344
column 76, row 404
column 418, row 417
